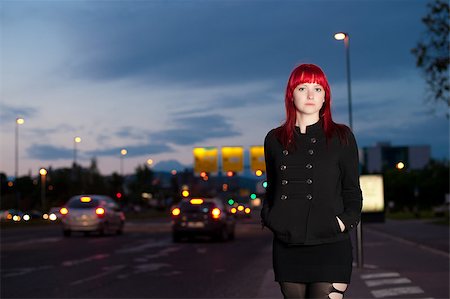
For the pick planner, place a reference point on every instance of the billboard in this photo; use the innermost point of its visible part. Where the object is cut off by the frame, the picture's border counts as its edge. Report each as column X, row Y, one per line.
column 232, row 158
column 205, row 159
column 257, row 158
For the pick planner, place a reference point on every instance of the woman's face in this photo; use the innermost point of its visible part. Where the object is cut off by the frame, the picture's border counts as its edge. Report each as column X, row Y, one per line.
column 309, row 98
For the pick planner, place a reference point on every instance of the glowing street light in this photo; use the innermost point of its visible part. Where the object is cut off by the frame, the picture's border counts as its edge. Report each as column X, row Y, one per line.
column 345, row 37
column 149, row 162
column 123, row 153
column 400, row 165
column 43, row 173
column 75, row 141
column 19, row 121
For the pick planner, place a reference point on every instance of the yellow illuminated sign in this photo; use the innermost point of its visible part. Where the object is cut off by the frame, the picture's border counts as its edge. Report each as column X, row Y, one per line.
column 205, row 159
column 232, row 158
column 257, row 158
column 372, row 192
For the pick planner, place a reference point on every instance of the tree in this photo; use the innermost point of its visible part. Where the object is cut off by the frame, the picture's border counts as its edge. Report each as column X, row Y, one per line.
column 432, row 51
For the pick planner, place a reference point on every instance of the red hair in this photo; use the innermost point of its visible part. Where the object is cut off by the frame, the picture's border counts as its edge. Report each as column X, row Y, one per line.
column 308, row 73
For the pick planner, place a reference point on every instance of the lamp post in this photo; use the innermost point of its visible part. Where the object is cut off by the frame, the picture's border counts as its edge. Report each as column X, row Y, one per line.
column 123, row 153
column 19, row 121
column 75, row 141
column 345, row 37
column 43, row 173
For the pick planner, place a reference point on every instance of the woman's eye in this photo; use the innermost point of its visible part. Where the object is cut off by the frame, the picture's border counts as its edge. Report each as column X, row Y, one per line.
column 301, row 88
column 318, row 89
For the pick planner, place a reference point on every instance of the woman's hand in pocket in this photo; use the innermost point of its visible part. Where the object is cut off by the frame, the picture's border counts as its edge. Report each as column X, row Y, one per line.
column 341, row 224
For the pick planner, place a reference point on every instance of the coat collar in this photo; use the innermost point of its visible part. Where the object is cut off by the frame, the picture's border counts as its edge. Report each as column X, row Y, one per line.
column 312, row 129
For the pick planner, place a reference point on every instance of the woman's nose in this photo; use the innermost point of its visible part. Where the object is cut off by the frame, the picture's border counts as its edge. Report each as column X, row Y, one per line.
column 310, row 95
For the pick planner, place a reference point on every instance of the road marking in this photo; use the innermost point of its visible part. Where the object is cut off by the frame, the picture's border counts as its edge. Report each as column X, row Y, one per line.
column 106, row 271
column 23, row 271
column 396, row 291
column 149, row 244
column 380, row 275
column 36, row 241
column 405, row 241
column 379, row 282
column 85, row 260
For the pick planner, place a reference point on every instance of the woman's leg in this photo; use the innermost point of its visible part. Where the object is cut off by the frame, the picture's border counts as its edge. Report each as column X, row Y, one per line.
column 293, row 289
column 326, row 290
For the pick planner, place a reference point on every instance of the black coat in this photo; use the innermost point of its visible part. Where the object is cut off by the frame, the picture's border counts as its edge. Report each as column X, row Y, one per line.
column 309, row 187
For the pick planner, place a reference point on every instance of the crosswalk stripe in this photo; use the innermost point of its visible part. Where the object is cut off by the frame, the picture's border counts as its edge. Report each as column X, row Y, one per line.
column 396, row 291
column 380, row 275
column 379, row 282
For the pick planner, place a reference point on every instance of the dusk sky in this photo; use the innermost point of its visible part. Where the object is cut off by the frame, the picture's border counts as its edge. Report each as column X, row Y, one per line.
column 162, row 77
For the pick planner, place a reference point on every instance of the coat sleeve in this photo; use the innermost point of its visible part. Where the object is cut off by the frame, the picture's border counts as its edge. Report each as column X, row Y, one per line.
column 351, row 190
column 268, row 198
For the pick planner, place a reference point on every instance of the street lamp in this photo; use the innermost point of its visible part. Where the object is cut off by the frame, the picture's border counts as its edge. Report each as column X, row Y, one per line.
column 123, row 153
column 150, row 162
column 345, row 37
column 43, row 173
column 75, row 141
column 19, row 121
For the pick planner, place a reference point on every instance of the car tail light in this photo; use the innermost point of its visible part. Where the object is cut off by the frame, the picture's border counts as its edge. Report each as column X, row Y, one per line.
column 176, row 212
column 215, row 213
column 100, row 212
column 64, row 211
column 196, row 201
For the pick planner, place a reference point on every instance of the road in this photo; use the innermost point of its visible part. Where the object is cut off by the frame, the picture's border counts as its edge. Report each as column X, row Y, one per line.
column 39, row 262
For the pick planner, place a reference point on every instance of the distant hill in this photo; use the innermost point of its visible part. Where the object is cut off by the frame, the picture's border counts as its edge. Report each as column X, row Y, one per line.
column 169, row 165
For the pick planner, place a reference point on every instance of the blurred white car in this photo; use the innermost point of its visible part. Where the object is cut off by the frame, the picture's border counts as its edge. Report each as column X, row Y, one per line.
column 92, row 213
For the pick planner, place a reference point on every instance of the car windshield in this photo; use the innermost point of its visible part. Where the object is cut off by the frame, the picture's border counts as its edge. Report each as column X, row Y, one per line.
column 204, row 207
column 77, row 203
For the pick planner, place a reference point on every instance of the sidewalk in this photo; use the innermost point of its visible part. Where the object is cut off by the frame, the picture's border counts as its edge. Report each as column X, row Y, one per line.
column 388, row 281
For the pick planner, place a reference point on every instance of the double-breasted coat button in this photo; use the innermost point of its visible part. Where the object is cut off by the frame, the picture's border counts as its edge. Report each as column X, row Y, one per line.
column 285, row 152
column 283, row 197
column 283, row 167
column 309, row 196
column 309, row 166
column 309, row 181
column 313, row 140
column 310, row 151
column 284, row 182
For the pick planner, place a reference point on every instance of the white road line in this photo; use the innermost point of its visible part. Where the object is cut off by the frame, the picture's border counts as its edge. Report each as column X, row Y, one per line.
column 23, row 271
column 396, row 292
column 106, row 271
column 380, row 275
column 143, row 247
column 84, row 260
column 36, row 241
column 405, row 241
column 380, row 282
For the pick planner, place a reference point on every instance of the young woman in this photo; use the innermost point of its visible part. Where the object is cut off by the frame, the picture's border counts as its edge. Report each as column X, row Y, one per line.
column 313, row 198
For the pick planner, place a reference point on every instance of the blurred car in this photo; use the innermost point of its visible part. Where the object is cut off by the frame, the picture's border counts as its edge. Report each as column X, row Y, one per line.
column 202, row 216
column 53, row 214
column 241, row 210
column 92, row 213
column 11, row 215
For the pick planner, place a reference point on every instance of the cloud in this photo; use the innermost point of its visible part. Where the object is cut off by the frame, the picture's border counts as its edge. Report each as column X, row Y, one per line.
column 133, row 150
column 196, row 129
column 49, row 152
column 9, row 113
column 131, row 132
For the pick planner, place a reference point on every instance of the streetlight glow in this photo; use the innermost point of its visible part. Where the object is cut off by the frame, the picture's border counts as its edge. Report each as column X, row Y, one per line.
column 77, row 139
column 340, row 36
column 43, row 171
column 123, row 152
column 20, row 121
column 149, row 161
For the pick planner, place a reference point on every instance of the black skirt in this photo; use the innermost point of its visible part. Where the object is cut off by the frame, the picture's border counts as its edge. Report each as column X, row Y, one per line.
column 329, row 262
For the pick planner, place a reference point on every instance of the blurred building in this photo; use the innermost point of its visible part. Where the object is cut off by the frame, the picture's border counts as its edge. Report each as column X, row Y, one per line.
column 383, row 156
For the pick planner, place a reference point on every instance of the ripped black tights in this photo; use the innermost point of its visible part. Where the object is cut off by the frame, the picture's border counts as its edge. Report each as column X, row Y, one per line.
column 319, row 290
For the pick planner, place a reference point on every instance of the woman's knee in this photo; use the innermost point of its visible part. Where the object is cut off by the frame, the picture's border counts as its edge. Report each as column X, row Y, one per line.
column 293, row 289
